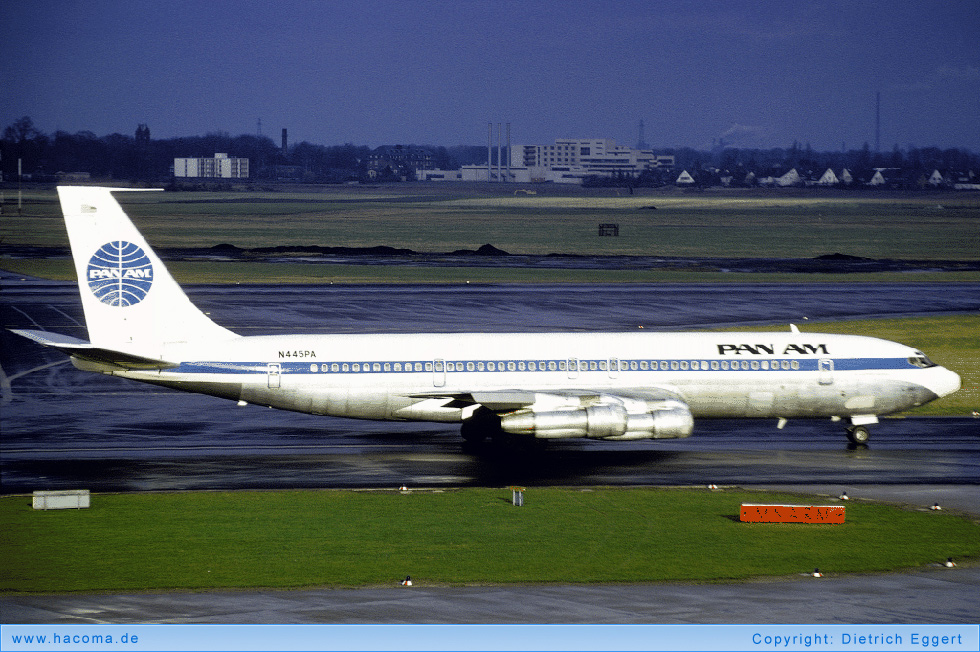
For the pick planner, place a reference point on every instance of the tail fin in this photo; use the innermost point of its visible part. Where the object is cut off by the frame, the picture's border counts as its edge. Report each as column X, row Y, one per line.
column 131, row 301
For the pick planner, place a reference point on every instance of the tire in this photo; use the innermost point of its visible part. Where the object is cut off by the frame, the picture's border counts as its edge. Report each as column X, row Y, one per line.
column 858, row 435
column 481, row 425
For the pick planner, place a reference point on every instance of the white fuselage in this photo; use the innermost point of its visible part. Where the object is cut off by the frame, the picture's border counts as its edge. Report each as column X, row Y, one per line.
column 418, row 376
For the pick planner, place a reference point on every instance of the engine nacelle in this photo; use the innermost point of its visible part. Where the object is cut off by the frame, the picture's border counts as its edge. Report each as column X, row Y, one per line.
column 664, row 420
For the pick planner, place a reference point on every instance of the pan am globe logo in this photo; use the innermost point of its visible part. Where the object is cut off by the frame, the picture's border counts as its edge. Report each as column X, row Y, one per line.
column 120, row 274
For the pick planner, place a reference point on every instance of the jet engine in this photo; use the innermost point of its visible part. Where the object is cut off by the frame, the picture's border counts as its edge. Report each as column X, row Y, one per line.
column 662, row 420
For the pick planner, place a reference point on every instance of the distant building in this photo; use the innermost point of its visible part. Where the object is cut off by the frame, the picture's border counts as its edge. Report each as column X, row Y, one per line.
column 569, row 160
column 219, row 167
column 399, row 160
column 828, row 179
column 685, row 179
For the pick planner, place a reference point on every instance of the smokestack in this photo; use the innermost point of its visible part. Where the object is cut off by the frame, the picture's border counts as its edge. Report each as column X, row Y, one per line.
column 499, row 178
column 285, row 143
column 489, row 151
column 508, row 151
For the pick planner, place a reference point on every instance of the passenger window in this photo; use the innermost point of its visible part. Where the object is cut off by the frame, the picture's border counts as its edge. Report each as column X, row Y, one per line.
column 683, row 365
column 357, row 367
column 755, row 365
column 633, row 366
column 552, row 365
column 470, row 366
column 377, row 366
column 714, row 365
column 333, row 367
column 428, row 366
column 674, row 365
column 724, row 365
column 511, row 366
column 592, row 365
column 532, row 366
column 765, row 365
column 563, row 366
column 644, row 365
column 795, row 364
column 521, row 365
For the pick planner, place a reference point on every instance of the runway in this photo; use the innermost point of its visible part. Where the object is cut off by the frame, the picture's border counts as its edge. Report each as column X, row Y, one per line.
column 64, row 428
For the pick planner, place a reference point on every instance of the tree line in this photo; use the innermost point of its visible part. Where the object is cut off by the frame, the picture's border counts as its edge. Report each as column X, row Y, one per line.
column 142, row 159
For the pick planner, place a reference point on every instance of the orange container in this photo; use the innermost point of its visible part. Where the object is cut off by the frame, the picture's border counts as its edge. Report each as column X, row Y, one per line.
column 752, row 513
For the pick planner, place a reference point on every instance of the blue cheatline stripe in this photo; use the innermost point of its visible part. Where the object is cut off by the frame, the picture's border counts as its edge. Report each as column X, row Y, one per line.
column 510, row 366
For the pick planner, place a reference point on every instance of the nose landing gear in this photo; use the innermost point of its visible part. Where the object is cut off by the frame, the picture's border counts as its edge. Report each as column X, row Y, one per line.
column 858, row 435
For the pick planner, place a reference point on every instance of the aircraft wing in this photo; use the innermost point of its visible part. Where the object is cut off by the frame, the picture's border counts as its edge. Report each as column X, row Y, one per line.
column 508, row 400
column 87, row 351
column 647, row 413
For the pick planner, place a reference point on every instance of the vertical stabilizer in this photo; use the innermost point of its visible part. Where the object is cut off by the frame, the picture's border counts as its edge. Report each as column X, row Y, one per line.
column 131, row 302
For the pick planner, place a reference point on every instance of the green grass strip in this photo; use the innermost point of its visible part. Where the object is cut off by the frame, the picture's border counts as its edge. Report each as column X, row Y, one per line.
column 282, row 539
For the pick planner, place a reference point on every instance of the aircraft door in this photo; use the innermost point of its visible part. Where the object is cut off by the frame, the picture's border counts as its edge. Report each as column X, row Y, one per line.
column 826, row 369
column 573, row 367
column 438, row 373
column 274, row 375
column 613, row 367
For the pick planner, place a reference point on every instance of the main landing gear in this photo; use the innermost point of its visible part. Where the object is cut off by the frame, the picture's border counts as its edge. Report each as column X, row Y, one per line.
column 858, row 432
column 485, row 425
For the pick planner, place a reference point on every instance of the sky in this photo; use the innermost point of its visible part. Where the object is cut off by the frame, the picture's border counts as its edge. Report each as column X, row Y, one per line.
column 376, row 72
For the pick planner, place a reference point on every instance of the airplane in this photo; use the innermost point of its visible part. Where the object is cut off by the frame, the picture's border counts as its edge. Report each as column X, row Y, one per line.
column 604, row 386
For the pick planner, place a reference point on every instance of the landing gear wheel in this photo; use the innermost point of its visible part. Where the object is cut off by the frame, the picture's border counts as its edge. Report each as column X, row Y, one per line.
column 473, row 433
column 858, row 435
column 484, row 423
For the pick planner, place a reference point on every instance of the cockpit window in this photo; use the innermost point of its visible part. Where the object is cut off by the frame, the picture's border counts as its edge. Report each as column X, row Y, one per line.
column 921, row 361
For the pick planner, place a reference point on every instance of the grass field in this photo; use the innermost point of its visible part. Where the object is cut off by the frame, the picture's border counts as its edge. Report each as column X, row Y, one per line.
column 439, row 218
column 208, row 540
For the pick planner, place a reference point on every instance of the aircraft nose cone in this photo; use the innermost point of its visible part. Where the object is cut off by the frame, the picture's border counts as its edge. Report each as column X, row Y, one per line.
column 945, row 382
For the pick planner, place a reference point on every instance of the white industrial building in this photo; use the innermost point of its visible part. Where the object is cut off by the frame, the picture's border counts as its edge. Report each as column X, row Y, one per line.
column 219, row 167
column 568, row 160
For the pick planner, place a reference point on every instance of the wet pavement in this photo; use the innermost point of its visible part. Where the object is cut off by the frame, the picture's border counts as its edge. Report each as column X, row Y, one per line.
column 64, row 428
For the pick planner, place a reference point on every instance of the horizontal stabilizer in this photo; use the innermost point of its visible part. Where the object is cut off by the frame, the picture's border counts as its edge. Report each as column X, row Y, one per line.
column 87, row 351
